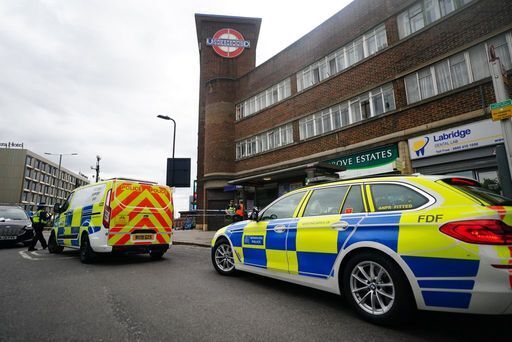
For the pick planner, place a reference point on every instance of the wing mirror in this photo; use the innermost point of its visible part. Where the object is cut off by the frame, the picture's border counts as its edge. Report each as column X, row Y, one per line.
column 253, row 215
column 60, row 208
column 57, row 208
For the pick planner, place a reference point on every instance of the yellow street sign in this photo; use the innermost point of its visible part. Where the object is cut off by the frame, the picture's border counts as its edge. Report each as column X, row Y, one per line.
column 501, row 110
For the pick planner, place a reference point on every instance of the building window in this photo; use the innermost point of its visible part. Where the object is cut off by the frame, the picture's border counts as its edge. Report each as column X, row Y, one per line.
column 355, row 51
column 458, row 70
column 277, row 137
column 424, row 13
column 370, row 104
column 264, row 99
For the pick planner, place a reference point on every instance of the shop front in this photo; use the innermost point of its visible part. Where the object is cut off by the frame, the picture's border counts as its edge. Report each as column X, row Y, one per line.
column 378, row 161
column 473, row 150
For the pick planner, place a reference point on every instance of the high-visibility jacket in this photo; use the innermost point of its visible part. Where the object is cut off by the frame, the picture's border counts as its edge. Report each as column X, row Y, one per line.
column 240, row 210
column 40, row 217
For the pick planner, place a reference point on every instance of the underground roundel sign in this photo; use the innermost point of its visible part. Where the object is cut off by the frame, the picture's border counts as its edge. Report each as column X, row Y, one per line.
column 228, row 43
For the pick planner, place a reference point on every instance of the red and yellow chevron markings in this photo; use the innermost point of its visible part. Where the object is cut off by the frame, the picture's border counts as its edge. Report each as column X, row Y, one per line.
column 140, row 206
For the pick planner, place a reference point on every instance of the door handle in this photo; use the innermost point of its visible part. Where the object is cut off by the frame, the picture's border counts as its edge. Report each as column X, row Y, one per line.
column 341, row 225
column 279, row 229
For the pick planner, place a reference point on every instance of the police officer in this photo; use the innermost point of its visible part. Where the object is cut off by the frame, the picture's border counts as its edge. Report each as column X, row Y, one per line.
column 230, row 211
column 40, row 219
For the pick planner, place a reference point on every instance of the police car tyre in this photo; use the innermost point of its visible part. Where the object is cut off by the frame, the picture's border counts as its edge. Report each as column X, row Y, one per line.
column 222, row 257
column 87, row 255
column 377, row 289
column 53, row 246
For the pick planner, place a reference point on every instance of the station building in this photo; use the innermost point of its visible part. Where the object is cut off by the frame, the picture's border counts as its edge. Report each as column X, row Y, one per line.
column 27, row 179
column 381, row 87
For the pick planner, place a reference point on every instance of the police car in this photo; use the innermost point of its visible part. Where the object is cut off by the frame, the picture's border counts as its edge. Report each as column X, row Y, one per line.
column 390, row 245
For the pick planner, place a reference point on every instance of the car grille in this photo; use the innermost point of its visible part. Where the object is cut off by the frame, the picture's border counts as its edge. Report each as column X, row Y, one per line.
column 15, row 231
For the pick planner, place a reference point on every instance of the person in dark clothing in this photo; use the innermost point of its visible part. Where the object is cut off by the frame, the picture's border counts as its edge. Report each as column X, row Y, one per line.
column 40, row 219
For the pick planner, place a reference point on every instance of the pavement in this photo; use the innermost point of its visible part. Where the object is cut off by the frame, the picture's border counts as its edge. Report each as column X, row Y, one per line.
column 193, row 237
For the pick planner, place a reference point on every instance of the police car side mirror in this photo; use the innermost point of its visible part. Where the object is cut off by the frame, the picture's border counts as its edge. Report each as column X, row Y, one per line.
column 253, row 216
column 58, row 208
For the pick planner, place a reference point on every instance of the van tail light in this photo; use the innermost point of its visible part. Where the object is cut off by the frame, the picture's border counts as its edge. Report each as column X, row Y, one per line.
column 107, row 211
column 483, row 232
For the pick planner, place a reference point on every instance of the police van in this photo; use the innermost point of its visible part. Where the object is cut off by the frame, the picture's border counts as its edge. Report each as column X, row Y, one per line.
column 116, row 215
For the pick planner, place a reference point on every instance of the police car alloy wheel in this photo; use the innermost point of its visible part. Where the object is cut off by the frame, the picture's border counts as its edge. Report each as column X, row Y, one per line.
column 372, row 287
column 222, row 258
column 377, row 289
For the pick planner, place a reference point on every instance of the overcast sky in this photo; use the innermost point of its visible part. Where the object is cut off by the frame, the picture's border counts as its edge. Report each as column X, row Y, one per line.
column 90, row 76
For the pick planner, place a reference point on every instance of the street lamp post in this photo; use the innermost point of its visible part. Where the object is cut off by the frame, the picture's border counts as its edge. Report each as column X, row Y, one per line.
column 58, row 172
column 165, row 117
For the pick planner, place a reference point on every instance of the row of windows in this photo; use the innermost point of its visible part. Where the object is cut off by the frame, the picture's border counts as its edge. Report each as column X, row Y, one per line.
column 48, row 189
column 375, row 102
column 269, row 140
column 47, row 168
column 461, row 69
column 264, row 99
column 347, row 200
column 38, row 175
column 419, row 15
column 362, row 47
column 424, row 13
column 37, row 198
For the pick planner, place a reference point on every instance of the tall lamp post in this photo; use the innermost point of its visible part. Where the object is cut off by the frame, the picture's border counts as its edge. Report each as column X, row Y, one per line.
column 58, row 172
column 165, row 117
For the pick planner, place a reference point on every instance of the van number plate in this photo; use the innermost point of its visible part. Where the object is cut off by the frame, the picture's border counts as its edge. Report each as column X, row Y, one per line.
column 143, row 237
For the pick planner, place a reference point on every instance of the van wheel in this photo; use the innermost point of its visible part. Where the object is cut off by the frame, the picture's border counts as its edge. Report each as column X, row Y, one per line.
column 156, row 255
column 222, row 257
column 53, row 246
column 377, row 289
column 87, row 255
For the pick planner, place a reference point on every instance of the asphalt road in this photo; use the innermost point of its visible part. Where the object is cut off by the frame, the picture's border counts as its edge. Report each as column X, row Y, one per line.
column 181, row 298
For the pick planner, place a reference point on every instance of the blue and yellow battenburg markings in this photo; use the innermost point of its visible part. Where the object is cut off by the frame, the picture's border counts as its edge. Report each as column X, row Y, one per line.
column 74, row 221
column 309, row 247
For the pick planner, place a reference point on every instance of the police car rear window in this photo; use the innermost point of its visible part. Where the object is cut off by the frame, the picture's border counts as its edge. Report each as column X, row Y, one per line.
column 391, row 197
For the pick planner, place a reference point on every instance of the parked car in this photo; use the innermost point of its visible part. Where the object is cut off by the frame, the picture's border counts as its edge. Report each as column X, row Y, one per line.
column 389, row 245
column 116, row 215
column 15, row 225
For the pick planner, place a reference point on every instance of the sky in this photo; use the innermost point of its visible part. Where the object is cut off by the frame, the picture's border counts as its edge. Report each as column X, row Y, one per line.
column 90, row 76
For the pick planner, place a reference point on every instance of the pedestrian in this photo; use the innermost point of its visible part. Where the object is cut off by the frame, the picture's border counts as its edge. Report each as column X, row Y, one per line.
column 230, row 211
column 40, row 219
column 240, row 211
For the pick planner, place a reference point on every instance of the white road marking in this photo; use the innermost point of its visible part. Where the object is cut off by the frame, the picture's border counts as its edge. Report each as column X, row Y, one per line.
column 26, row 256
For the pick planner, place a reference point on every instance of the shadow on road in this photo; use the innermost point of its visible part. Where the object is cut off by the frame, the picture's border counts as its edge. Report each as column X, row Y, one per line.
column 427, row 325
column 11, row 245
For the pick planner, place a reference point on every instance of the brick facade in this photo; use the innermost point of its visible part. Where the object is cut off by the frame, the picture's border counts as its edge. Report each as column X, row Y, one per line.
column 455, row 32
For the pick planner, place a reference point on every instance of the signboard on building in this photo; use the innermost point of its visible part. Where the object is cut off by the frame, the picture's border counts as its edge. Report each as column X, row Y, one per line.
column 465, row 137
column 501, row 110
column 11, row 144
column 371, row 162
column 228, row 43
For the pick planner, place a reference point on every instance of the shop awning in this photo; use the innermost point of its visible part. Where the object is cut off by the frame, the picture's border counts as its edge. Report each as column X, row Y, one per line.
column 309, row 170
